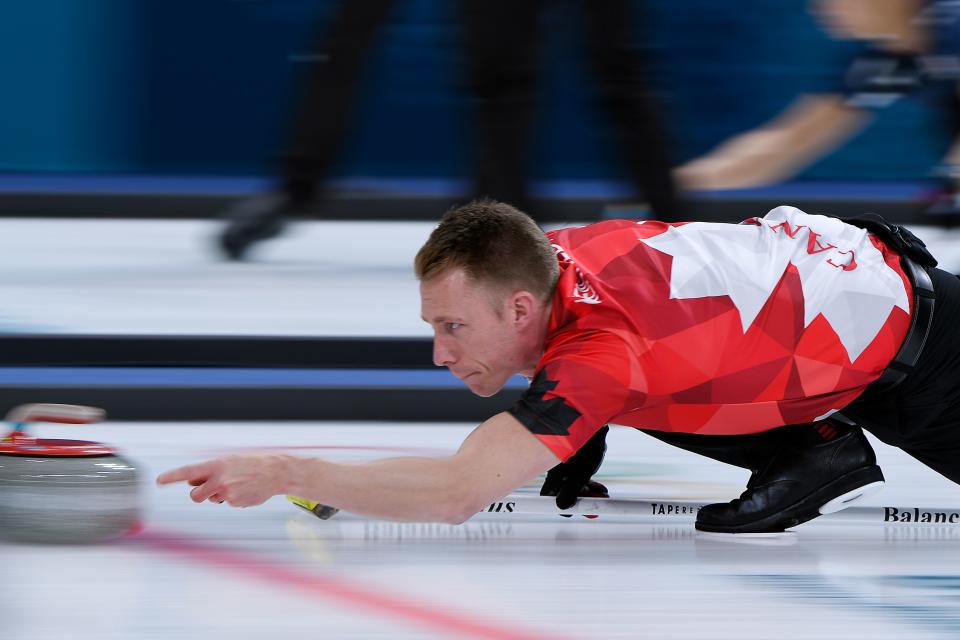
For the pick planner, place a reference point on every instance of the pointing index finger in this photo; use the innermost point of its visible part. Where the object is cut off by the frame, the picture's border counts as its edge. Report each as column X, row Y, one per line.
column 189, row 473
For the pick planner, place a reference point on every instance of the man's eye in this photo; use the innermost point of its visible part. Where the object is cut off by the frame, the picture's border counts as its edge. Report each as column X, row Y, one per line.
column 453, row 325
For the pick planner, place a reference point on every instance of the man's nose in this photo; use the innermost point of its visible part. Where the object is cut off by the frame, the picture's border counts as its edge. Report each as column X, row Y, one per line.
column 442, row 354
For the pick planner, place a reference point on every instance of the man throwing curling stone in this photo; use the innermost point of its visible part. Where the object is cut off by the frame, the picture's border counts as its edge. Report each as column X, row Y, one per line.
column 767, row 345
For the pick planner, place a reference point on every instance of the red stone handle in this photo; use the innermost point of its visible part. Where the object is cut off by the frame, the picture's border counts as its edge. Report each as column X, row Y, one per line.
column 59, row 413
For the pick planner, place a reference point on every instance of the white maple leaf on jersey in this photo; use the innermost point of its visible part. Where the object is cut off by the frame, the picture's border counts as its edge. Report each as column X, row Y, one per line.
column 745, row 262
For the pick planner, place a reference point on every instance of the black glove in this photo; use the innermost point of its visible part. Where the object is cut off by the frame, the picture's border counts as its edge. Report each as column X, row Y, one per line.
column 571, row 479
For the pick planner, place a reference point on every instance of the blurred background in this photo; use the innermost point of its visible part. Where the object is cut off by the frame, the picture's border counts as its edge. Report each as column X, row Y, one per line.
column 151, row 151
column 208, row 215
column 196, row 98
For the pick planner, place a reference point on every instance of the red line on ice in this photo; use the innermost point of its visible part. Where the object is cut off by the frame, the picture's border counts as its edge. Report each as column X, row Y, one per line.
column 383, row 603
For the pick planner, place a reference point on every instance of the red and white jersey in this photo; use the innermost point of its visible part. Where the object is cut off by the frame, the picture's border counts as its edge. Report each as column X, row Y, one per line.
column 713, row 328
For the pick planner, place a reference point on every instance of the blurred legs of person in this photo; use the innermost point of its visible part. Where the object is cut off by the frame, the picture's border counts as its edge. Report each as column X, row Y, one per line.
column 501, row 38
column 613, row 48
column 320, row 130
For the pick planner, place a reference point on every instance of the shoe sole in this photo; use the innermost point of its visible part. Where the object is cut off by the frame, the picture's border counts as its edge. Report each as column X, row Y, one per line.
column 842, row 502
column 830, row 498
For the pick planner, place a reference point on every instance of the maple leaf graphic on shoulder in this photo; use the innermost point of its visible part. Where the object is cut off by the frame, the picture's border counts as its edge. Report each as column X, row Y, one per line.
column 843, row 275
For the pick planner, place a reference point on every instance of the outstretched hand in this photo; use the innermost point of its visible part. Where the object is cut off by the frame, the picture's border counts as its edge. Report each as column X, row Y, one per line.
column 240, row 480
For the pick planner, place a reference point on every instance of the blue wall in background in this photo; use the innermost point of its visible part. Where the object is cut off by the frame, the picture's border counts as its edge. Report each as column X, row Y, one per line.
column 69, row 71
column 206, row 86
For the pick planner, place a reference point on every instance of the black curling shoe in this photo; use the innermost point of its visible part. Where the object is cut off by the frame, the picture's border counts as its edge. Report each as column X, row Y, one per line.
column 253, row 220
column 799, row 484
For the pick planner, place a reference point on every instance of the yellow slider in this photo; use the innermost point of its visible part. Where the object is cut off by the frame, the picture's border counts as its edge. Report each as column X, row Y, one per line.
column 322, row 511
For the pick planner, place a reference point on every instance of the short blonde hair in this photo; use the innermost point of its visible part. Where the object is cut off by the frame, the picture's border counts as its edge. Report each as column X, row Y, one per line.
column 493, row 243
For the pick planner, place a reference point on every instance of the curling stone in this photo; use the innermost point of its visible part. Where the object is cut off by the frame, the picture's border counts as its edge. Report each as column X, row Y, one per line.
column 63, row 491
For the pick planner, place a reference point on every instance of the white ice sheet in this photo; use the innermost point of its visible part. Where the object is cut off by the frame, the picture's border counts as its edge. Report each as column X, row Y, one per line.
column 210, row 571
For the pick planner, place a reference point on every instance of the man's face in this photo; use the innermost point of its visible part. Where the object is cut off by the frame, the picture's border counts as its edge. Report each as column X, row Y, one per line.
column 478, row 345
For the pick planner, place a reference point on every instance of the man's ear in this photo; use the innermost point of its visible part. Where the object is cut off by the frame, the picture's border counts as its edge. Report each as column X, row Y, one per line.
column 523, row 306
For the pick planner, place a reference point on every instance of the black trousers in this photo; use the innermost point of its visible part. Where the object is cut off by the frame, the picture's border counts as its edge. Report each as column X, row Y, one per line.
column 325, row 114
column 920, row 416
column 502, row 40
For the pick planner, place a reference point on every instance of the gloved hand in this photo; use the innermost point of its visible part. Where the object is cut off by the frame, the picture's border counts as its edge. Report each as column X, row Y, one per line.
column 571, row 479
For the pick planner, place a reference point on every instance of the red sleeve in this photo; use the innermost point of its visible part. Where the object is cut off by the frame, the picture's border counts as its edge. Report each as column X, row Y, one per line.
column 582, row 382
